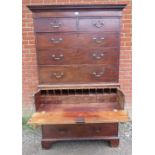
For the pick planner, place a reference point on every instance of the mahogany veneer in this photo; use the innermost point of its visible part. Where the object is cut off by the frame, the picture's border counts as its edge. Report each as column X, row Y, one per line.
column 78, row 67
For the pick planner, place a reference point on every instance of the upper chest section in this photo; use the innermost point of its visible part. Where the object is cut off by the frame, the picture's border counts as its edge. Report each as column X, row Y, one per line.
column 67, row 18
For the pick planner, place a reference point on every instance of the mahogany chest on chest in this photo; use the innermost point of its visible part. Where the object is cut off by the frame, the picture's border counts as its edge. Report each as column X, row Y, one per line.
column 78, row 50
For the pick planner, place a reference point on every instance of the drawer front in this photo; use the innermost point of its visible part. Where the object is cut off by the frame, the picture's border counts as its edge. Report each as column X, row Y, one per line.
column 98, row 73
column 59, row 40
column 80, row 130
column 54, row 24
column 80, row 74
column 95, row 40
column 78, row 56
column 73, row 40
column 99, row 24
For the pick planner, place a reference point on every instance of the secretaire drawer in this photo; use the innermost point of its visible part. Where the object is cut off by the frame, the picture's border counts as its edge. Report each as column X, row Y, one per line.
column 99, row 24
column 59, row 40
column 54, row 24
column 78, row 56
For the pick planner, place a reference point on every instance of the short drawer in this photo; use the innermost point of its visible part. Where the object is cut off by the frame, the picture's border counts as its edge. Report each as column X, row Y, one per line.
column 78, row 56
column 99, row 24
column 55, row 24
column 80, row 130
column 80, row 74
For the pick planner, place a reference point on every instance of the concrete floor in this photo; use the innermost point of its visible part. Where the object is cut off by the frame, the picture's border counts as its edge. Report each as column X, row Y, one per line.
column 31, row 144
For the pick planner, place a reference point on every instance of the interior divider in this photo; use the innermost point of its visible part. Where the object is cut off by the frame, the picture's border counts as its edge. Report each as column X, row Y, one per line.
column 78, row 91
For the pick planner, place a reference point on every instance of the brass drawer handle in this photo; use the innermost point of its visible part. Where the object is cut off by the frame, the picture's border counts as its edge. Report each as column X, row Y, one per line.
column 99, row 24
column 55, row 24
column 98, row 75
column 98, row 55
column 98, row 40
column 58, row 75
column 63, row 131
column 80, row 120
column 56, row 40
column 97, row 130
column 60, row 57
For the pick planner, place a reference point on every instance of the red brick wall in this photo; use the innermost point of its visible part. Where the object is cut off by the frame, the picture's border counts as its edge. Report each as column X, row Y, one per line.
column 30, row 79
